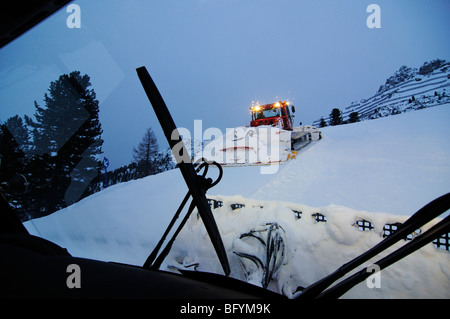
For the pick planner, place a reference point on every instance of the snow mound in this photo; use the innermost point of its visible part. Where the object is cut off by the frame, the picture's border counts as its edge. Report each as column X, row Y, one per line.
column 310, row 243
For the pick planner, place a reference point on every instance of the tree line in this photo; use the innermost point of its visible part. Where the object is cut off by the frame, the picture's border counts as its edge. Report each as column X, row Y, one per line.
column 58, row 150
column 147, row 160
column 337, row 119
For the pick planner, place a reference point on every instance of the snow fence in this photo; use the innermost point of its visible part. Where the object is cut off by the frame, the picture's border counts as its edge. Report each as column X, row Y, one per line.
column 282, row 246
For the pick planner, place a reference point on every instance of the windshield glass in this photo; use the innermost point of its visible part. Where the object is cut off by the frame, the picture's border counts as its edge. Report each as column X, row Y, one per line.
column 101, row 180
column 265, row 113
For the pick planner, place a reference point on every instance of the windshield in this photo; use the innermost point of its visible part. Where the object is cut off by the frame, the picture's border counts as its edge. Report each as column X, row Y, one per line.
column 265, row 113
column 101, row 180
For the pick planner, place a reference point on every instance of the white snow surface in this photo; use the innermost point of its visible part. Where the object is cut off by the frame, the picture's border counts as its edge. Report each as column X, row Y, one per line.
column 381, row 170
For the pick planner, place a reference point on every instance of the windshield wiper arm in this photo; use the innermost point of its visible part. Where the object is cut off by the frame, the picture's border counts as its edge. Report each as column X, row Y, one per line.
column 342, row 287
column 186, row 167
column 420, row 218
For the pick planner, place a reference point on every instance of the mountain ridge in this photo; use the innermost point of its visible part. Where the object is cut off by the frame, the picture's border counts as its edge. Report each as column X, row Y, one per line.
column 406, row 90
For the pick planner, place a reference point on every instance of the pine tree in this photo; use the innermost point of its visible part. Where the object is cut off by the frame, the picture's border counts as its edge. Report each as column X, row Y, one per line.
column 322, row 122
column 19, row 131
column 14, row 144
column 336, row 117
column 13, row 160
column 67, row 141
column 12, row 156
column 354, row 117
column 146, row 153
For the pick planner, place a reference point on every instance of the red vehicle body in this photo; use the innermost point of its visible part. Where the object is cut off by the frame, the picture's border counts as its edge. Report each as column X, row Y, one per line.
column 274, row 114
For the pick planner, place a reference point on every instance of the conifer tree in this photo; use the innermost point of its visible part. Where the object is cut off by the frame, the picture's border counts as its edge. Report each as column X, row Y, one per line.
column 19, row 130
column 336, row 117
column 146, row 153
column 67, row 141
column 322, row 123
column 12, row 159
column 354, row 117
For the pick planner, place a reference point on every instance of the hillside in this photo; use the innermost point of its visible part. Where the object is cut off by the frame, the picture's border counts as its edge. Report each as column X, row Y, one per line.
column 394, row 164
column 406, row 90
column 377, row 171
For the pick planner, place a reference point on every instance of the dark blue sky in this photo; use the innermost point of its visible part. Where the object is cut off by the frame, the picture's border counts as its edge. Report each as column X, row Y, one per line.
column 212, row 58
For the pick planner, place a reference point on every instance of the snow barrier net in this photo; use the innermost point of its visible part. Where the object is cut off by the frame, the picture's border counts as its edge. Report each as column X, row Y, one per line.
column 361, row 224
column 282, row 246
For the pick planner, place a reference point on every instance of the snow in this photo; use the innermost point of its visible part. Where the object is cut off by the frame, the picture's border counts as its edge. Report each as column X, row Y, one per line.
column 405, row 91
column 381, row 171
column 395, row 164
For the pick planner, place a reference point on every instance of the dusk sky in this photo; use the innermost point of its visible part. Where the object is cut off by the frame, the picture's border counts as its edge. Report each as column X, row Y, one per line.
column 211, row 59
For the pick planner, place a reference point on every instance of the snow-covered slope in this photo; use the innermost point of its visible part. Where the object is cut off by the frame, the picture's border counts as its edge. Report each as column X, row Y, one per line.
column 395, row 164
column 380, row 171
column 408, row 89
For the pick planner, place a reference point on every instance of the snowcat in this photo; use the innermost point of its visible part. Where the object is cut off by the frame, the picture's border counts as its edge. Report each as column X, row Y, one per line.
column 278, row 115
column 271, row 138
column 33, row 267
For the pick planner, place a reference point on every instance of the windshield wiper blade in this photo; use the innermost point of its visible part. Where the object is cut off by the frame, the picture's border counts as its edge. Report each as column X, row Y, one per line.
column 420, row 218
column 186, row 167
column 418, row 242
